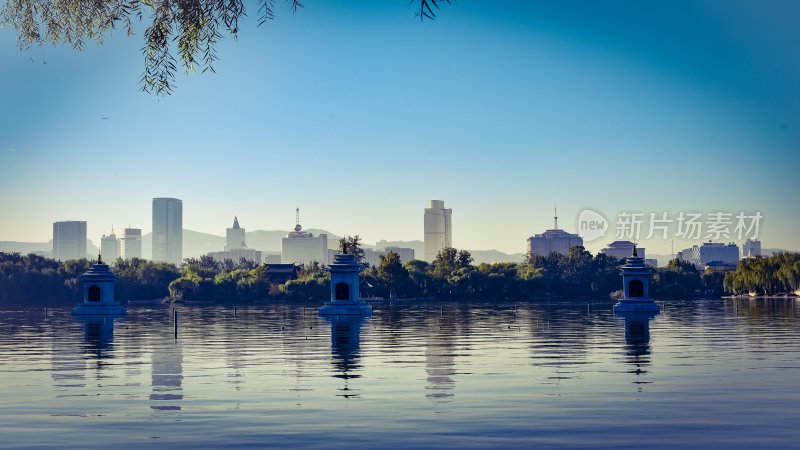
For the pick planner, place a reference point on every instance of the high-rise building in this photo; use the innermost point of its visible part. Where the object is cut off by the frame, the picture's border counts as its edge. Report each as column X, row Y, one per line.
column 373, row 256
column 69, row 240
column 168, row 230
column 710, row 252
column 751, row 248
column 438, row 228
column 109, row 247
column 131, row 245
column 301, row 247
column 234, row 236
column 235, row 246
column 622, row 250
column 405, row 254
column 555, row 240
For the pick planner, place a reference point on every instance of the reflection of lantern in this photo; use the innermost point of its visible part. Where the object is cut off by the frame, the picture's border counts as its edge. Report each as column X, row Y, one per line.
column 98, row 291
column 345, row 297
column 636, row 286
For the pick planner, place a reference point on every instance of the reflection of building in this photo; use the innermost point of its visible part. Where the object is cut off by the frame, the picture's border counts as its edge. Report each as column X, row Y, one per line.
column 440, row 359
column 109, row 247
column 727, row 254
column 168, row 230
column 622, row 249
column 131, row 245
column 69, row 240
column 235, row 246
column 555, row 240
column 438, row 228
column 301, row 247
column 167, row 375
column 751, row 248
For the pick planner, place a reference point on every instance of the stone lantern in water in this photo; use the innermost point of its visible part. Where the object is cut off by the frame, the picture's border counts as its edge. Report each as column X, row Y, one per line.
column 98, row 291
column 345, row 299
column 636, row 287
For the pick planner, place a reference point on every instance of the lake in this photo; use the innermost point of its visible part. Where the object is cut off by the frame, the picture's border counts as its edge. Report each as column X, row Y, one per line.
column 702, row 374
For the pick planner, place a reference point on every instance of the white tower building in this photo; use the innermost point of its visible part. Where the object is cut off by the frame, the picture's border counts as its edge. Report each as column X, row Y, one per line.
column 438, row 228
column 234, row 237
column 301, row 247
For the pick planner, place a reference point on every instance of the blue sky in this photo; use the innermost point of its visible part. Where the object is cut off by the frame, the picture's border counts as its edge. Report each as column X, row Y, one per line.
column 359, row 113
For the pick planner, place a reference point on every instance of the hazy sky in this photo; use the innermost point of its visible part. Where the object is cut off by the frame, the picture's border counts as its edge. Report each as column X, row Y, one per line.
column 359, row 114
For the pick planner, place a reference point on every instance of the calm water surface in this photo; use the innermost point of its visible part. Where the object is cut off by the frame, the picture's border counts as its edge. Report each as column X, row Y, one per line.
column 704, row 374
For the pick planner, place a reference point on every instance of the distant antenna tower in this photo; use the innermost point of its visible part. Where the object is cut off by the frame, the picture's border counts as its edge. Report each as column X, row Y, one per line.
column 297, row 216
column 555, row 216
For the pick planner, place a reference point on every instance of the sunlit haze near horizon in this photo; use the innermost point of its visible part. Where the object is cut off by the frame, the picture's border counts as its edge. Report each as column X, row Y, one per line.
column 359, row 113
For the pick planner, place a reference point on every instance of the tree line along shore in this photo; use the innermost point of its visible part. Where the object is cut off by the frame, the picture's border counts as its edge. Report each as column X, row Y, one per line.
column 452, row 275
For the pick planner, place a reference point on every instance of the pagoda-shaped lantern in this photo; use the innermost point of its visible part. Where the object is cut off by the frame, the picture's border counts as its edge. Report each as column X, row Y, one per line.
column 345, row 281
column 98, row 291
column 636, row 287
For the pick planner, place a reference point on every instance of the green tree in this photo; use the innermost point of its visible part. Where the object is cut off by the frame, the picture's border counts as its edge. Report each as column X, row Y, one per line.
column 678, row 279
column 391, row 272
column 352, row 245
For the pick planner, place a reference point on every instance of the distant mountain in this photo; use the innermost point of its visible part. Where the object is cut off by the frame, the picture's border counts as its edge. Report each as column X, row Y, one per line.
column 495, row 256
column 25, row 247
column 36, row 247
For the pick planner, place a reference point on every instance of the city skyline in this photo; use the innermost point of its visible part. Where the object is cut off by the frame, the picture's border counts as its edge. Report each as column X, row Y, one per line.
column 571, row 109
column 596, row 247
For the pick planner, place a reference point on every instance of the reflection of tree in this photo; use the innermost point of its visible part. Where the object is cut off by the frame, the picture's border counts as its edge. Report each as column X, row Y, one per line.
column 560, row 331
column 753, row 314
column 67, row 363
column 345, row 342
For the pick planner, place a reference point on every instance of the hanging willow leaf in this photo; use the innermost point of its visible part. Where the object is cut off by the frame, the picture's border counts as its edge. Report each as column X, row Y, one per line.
column 188, row 30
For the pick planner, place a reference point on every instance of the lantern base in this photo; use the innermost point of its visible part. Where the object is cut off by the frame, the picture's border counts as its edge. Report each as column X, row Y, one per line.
column 345, row 308
column 642, row 305
column 102, row 310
